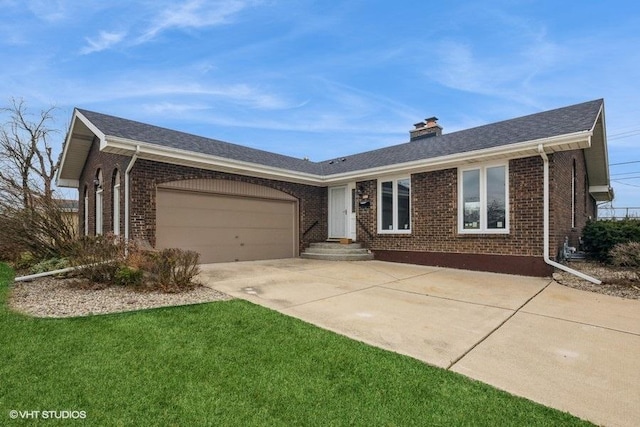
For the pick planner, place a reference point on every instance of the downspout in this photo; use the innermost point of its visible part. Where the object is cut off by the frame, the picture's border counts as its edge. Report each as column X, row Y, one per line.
column 126, row 192
column 552, row 263
column 54, row 272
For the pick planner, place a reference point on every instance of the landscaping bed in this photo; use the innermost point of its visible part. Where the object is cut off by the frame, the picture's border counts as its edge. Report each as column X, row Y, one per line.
column 616, row 281
column 70, row 297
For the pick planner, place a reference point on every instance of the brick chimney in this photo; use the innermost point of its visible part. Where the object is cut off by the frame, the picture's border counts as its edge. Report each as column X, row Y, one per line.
column 426, row 129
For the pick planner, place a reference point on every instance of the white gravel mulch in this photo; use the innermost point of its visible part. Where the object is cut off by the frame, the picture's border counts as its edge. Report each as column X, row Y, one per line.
column 52, row 297
column 616, row 281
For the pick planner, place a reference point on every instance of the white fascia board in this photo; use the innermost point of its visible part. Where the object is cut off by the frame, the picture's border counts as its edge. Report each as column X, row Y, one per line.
column 189, row 158
column 604, row 139
column 601, row 193
column 207, row 161
column 97, row 132
column 69, row 183
column 67, row 143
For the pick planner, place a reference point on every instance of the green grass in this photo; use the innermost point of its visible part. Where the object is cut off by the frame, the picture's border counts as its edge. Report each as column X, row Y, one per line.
column 230, row 363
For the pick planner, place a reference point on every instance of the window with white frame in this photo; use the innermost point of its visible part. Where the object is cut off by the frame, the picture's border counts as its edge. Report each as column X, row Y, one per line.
column 394, row 205
column 574, row 180
column 115, row 194
column 99, row 205
column 483, row 195
column 86, row 211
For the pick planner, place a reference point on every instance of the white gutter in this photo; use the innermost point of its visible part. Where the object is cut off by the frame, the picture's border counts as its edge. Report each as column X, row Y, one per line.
column 126, row 192
column 552, row 263
column 55, row 272
column 118, row 145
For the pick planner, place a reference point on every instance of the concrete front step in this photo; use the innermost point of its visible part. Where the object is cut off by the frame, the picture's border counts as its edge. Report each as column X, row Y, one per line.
column 337, row 252
column 332, row 245
column 337, row 257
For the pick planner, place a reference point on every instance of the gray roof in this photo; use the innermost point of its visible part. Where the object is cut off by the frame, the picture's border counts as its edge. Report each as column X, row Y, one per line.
column 561, row 121
column 129, row 129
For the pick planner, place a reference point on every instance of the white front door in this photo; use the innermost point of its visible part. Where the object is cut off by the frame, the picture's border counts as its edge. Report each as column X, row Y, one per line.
column 338, row 212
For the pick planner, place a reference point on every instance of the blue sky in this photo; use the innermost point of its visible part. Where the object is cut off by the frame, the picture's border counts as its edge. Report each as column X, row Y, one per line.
column 321, row 79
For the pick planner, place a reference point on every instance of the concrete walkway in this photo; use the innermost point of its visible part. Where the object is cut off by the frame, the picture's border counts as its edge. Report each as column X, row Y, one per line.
column 572, row 350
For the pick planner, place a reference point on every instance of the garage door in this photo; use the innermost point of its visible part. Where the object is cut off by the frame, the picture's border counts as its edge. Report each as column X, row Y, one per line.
column 226, row 227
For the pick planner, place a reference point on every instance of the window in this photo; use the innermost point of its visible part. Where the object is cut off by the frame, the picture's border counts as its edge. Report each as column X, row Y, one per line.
column 116, row 202
column 99, row 189
column 86, row 211
column 394, row 206
column 483, row 195
column 574, row 179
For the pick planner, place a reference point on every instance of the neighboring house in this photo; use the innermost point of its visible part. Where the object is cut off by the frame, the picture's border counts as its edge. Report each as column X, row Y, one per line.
column 471, row 199
column 70, row 213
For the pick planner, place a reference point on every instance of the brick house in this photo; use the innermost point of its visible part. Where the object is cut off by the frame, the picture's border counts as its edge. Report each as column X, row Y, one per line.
column 501, row 197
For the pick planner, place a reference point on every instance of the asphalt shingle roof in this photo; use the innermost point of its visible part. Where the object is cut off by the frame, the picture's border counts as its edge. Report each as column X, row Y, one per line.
column 561, row 121
column 129, row 129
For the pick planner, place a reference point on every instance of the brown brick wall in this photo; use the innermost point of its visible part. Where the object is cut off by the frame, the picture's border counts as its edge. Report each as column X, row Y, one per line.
column 434, row 199
column 108, row 163
column 560, row 177
column 146, row 175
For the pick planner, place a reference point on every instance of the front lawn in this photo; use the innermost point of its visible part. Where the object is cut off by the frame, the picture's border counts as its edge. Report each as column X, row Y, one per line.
column 229, row 363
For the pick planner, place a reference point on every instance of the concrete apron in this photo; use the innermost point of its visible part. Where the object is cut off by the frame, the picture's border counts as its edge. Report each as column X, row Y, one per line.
column 572, row 350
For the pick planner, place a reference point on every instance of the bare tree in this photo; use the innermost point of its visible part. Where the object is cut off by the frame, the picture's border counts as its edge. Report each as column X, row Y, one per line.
column 27, row 163
column 32, row 218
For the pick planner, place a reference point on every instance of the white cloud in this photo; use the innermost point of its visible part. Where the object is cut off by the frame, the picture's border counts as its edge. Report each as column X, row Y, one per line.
column 507, row 76
column 48, row 10
column 193, row 14
column 178, row 92
column 173, row 108
column 104, row 41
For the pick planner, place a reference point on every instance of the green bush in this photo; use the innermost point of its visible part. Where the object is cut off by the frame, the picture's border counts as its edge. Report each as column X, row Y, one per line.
column 50, row 265
column 128, row 276
column 24, row 261
column 600, row 237
column 626, row 254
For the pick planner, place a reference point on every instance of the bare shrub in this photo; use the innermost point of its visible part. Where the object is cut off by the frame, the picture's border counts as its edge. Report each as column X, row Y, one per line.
column 9, row 251
column 43, row 228
column 173, row 270
column 100, row 257
column 626, row 255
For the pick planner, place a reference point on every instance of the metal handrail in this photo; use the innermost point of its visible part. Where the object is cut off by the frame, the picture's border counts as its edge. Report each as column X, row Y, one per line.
column 310, row 227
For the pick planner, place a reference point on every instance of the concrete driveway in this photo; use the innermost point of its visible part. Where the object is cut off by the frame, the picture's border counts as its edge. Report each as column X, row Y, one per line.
column 572, row 350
